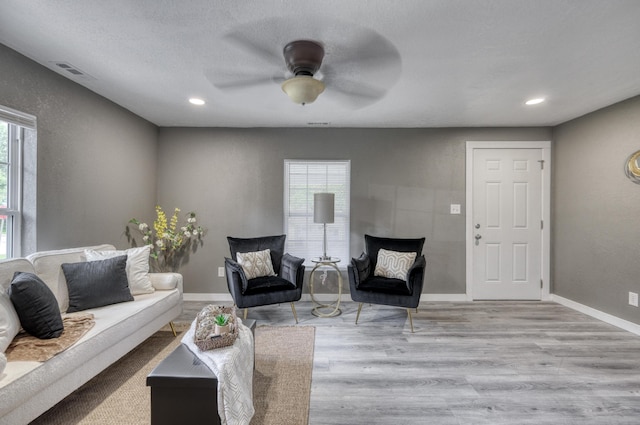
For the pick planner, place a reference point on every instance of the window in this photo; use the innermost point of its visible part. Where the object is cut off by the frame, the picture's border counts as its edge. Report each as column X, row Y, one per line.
column 301, row 180
column 13, row 126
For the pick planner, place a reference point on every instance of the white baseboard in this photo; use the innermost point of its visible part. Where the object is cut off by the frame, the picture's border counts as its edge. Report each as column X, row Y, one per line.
column 600, row 315
column 194, row 296
column 444, row 297
column 226, row 298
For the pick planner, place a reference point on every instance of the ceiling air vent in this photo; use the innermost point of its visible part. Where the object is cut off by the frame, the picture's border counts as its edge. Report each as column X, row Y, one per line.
column 65, row 66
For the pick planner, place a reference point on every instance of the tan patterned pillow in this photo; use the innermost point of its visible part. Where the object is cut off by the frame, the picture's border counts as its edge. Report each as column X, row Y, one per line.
column 394, row 264
column 256, row 264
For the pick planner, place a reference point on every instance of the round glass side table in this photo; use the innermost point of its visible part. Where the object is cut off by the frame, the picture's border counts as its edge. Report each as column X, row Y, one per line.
column 321, row 309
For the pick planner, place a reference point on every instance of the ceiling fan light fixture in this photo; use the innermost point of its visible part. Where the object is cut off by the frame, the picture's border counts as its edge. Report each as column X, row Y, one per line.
column 303, row 89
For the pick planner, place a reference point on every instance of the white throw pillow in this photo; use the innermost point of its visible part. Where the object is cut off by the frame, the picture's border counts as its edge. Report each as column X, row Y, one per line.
column 137, row 266
column 3, row 363
column 256, row 264
column 9, row 321
column 394, row 264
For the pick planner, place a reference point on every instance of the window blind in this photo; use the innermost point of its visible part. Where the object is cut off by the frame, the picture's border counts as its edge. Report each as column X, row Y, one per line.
column 301, row 180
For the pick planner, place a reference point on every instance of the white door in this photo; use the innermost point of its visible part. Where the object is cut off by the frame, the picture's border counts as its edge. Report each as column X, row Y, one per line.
column 507, row 224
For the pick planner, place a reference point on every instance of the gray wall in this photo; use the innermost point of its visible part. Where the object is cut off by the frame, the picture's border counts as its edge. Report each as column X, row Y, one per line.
column 98, row 165
column 402, row 183
column 596, row 238
column 96, row 161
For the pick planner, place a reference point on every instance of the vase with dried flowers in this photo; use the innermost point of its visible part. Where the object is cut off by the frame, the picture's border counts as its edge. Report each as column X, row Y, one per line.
column 171, row 244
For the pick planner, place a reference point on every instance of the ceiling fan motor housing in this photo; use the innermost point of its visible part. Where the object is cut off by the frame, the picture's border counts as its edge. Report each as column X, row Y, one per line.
column 303, row 57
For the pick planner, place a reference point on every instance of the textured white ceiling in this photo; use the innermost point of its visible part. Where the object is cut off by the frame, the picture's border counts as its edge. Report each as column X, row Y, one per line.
column 426, row 63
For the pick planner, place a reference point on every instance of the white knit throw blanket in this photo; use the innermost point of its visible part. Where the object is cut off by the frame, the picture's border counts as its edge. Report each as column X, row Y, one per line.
column 233, row 366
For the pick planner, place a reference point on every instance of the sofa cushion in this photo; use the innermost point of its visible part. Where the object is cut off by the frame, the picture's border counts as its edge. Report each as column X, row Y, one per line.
column 264, row 284
column 97, row 283
column 47, row 266
column 9, row 321
column 274, row 243
column 36, row 306
column 256, row 264
column 3, row 363
column 137, row 266
column 385, row 285
column 375, row 243
column 394, row 264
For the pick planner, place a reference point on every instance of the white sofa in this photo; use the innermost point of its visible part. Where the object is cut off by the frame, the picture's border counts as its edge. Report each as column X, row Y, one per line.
column 28, row 389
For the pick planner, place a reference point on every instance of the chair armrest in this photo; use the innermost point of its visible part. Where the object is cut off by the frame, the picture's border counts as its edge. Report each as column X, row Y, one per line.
column 292, row 269
column 362, row 268
column 236, row 279
column 415, row 275
column 418, row 265
column 166, row 281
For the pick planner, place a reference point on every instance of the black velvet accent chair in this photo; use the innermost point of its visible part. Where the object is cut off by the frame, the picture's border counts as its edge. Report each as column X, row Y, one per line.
column 284, row 287
column 367, row 288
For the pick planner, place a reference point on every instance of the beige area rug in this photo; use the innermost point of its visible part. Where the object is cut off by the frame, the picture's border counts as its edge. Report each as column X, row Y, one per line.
column 119, row 395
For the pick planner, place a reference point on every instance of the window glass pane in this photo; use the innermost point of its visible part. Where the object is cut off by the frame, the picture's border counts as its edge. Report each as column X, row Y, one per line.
column 3, row 185
column 4, row 142
column 302, row 180
column 5, row 237
column 12, row 127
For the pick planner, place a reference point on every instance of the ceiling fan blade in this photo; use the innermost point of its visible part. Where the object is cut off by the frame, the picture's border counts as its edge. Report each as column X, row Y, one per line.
column 268, row 53
column 235, row 80
column 357, row 94
column 367, row 49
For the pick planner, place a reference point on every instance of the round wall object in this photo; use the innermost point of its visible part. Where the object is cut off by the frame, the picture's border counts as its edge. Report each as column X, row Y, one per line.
column 632, row 167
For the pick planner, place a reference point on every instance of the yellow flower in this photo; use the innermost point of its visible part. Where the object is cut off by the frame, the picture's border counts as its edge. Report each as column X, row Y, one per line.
column 171, row 244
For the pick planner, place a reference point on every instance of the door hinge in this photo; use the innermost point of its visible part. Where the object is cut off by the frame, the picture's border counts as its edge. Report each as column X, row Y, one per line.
column 541, row 224
column 541, row 161
column 541, row 284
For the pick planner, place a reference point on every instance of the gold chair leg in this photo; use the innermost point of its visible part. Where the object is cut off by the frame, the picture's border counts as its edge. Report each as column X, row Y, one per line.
column 410, row 319
column 246, row 310
column 295, row 316
column 173, row 329
column 358, row 315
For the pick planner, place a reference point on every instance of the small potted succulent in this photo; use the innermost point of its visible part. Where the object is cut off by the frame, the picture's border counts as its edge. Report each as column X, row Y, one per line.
column 222, row 324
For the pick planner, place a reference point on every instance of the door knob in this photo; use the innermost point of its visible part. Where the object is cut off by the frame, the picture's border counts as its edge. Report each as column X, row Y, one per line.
column 478, row 226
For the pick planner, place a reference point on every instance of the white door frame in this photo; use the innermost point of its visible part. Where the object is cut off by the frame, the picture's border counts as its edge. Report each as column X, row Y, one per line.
column 546, row 207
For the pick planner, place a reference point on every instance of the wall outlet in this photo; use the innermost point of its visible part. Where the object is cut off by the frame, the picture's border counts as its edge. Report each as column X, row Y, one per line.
column 633, row 299
column 455, row 208
column 220, row 271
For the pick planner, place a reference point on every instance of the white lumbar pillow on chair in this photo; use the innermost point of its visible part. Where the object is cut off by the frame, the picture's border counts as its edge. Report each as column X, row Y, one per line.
column 256, row 264
column 394, row 264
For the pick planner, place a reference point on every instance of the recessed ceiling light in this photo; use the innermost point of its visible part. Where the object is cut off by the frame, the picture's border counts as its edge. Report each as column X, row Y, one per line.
column 196, row 101
column 534, row 101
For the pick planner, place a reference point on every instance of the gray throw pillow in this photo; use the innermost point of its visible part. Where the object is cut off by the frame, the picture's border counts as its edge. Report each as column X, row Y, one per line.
column 36, row 306
column 94, row 284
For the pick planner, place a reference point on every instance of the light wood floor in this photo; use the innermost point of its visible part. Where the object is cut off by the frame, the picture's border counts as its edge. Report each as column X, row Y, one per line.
column 467, row 363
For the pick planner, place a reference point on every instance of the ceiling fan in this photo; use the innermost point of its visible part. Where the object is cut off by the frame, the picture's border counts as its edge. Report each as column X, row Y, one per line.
column 354, row 73
column 303, row 59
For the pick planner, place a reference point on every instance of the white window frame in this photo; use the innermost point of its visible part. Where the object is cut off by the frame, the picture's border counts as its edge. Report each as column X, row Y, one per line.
column 18, row 122
column 306, row 241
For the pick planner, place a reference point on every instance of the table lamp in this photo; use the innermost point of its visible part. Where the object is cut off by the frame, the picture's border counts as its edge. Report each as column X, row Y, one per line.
column 323, row 208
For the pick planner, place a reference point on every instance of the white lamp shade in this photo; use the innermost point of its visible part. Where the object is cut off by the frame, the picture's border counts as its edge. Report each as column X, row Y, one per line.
column 303, row 89
column 323, row 207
